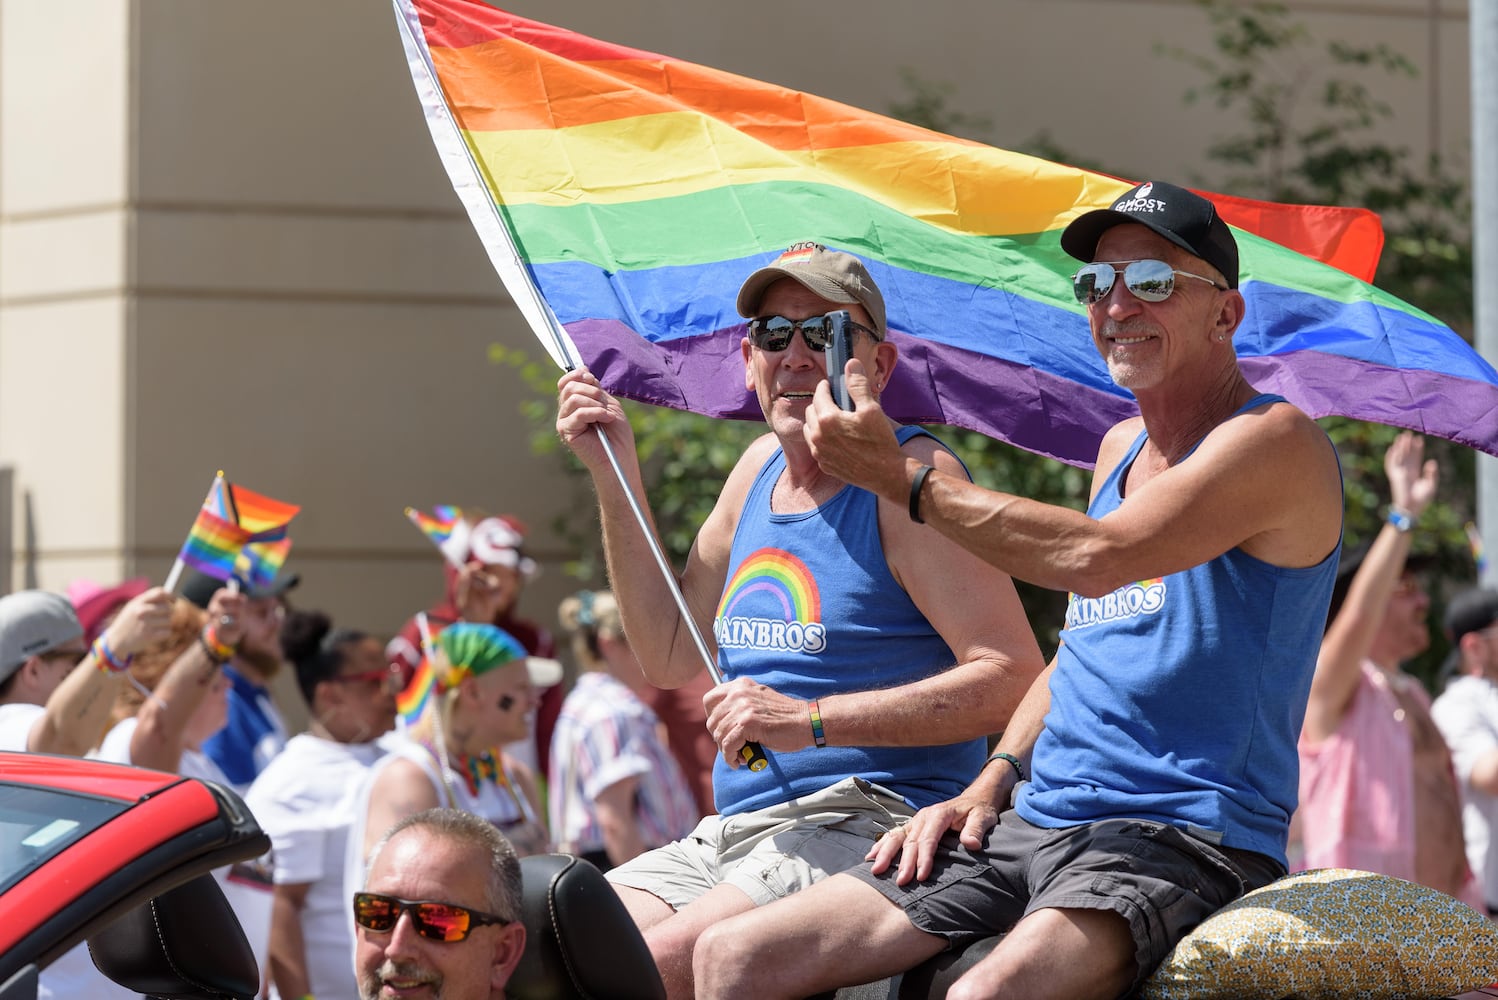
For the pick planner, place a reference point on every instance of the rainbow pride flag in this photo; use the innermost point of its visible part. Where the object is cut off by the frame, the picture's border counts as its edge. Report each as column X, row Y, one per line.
column 438, row 525
column 1479, row 554
column 417, row 694
column 260, row 562
column 623, row 196
column 261, row 518
column 231, row 518
column 213, row 545
column 445, row 528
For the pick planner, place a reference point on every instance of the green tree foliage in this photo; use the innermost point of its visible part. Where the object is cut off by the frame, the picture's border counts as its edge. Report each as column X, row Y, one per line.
column 1303, row 119
column 684, row 457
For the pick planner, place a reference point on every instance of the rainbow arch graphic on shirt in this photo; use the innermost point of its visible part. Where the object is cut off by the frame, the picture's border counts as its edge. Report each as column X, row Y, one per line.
column 780, row 574
column 1146, row 584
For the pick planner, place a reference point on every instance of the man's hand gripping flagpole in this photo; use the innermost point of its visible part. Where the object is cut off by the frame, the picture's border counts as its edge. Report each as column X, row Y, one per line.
column 467, row 181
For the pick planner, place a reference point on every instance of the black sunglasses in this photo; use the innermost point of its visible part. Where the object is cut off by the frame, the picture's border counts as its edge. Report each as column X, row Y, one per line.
column 1148, row 280
column 774, row 333
column 433, row 920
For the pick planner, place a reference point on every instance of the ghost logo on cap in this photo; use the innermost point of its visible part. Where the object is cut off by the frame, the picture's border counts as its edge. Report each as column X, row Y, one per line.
column 1182, row 216
column 1139, row 200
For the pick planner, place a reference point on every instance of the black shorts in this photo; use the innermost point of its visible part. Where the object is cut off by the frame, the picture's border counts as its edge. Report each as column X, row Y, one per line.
column 1158, row 878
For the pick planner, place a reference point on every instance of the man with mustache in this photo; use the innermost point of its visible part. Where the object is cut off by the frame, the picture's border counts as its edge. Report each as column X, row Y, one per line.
column 439, row 915
column 868, row 655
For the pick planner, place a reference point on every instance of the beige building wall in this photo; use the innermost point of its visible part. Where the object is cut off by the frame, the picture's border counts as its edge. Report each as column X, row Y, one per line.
column 226, row 243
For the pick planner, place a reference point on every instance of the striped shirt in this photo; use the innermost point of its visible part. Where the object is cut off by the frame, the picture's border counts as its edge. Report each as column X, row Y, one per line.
column 604, row 735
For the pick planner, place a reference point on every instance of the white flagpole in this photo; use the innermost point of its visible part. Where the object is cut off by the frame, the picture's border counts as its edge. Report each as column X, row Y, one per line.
column 439, row 734
column 483, row 211
column 467, row 180
column 178, row 566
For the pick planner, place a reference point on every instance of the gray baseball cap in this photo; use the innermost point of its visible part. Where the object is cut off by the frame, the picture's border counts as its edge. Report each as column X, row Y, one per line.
column 33, row 622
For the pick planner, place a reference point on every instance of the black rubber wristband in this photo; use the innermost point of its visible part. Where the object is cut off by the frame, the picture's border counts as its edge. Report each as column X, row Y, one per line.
column 915, row 493
column 1011, row 760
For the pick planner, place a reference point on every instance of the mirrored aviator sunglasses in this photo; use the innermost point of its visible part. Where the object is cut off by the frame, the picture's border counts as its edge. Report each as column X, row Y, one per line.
column 1146, row 280
column 774, row 333
column 435, row 921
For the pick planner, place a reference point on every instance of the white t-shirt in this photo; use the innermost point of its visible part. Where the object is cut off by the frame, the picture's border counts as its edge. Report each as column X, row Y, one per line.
column 304, row 800
column 16, row 722
column 1467, row 715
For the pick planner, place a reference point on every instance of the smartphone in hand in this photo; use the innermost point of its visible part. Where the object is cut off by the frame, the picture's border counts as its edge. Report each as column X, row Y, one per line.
column 839, row 350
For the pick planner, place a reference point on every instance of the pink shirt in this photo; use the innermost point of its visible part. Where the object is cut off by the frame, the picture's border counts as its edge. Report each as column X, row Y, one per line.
column 1357, row 787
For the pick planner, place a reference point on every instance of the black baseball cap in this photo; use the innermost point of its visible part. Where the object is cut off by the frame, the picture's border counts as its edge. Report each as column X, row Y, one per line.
column 1186, row 219
column 1471, row 611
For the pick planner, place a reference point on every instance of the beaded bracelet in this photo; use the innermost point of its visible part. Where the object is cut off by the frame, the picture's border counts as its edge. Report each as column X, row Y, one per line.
column 817, row 735
column 217, row 651
column 1013, row 761
column 106, row 660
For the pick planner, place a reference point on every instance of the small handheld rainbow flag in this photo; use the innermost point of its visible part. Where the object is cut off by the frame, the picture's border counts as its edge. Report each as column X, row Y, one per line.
column 412, row 701
column 439, row 524
column 259, row 562
column 213, row 545
column 446, row 529
column 260, row 517
column 231, row 517
column 1479, row 555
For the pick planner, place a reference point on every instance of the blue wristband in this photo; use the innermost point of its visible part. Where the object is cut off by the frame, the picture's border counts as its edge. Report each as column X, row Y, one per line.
column 1401, row 520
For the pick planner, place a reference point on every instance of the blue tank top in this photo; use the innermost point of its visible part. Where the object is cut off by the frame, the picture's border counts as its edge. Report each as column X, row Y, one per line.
column 1180, row 699
column 810, row 609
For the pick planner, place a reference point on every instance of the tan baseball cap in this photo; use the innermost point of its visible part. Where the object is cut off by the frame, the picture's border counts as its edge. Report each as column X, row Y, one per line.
column 834, row 275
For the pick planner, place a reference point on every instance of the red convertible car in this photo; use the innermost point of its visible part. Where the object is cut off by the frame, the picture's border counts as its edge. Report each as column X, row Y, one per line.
column 120, row 857
column 84, row 844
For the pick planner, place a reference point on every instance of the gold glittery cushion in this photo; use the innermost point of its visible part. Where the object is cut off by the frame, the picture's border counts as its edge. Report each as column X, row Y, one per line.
column 1331, row 934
